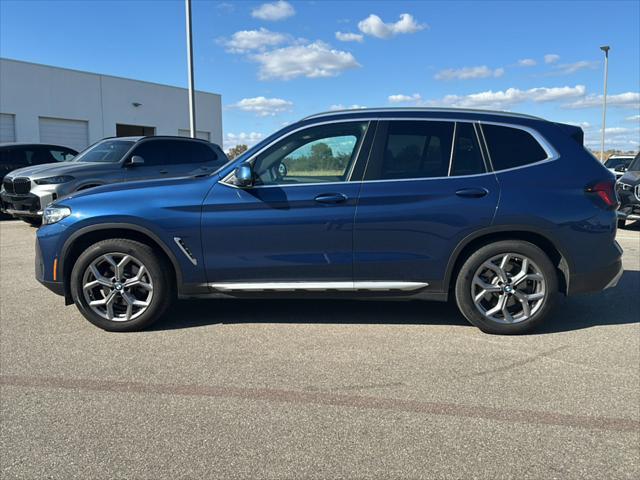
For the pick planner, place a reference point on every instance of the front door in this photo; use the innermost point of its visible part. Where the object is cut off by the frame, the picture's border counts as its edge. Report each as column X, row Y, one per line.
column 419, row 200
column 294, row 228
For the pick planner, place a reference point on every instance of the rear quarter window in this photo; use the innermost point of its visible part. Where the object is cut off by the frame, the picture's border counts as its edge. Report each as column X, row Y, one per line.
column 511, row 147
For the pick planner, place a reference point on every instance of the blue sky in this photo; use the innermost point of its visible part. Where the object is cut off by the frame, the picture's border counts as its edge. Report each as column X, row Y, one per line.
column 275, row 62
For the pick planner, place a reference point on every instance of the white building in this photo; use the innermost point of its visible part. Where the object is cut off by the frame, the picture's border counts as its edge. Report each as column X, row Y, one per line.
column 40, row 103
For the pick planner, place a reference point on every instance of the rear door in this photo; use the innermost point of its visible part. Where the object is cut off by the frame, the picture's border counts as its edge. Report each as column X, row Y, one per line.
column 423, row 192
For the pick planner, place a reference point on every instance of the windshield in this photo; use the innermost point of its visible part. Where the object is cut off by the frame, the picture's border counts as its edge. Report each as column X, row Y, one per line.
column 635, row 165
column 106, row 151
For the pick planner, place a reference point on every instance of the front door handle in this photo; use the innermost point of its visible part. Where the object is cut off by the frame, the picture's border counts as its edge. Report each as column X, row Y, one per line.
column 163, row 172
column 331, row 198
column 472, row 192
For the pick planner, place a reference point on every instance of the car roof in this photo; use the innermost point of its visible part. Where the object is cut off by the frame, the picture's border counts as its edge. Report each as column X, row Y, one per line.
column 428, row 111
column 621, row 155
column 32, row 144
column 156, row 137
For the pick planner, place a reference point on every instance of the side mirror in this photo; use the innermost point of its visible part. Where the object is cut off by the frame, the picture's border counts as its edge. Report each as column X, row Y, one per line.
column 244, row 175
column 620, row 168
column 135, row 161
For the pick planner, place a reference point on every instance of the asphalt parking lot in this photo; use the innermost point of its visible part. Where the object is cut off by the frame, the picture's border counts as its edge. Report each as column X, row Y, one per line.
column 333, row 389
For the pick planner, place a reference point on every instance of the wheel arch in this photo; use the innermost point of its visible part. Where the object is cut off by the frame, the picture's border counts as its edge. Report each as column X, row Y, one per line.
column 473, row 242
column 78, row 241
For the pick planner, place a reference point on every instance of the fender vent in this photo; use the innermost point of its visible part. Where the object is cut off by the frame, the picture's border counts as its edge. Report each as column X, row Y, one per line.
column 185, row 250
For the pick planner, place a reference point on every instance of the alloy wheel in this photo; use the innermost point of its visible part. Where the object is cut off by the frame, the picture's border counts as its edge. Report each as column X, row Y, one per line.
column 117, row 286
column 508, row 288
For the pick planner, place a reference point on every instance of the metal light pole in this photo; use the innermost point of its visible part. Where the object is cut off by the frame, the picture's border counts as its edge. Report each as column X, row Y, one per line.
column 605, row 49
column 192, row 100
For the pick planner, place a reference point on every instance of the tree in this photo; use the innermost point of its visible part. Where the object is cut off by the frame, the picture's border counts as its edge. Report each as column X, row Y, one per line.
column 236, row 151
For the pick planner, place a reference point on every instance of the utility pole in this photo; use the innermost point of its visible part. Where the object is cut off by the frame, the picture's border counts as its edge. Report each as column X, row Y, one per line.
column 605, row 49
column 192, row 100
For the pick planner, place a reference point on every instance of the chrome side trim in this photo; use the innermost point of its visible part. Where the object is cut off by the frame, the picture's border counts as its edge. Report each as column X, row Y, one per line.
column 317, row 286
column 552, row 154
column 184, row 250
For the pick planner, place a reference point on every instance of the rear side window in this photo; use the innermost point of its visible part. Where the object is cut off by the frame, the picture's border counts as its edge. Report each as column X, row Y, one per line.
column 414, row 149
column 511, row 147
column 192, row 152
column 467, row 157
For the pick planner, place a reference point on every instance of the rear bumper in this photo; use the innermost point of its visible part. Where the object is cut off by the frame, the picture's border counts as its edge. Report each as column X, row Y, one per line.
column 596, row 280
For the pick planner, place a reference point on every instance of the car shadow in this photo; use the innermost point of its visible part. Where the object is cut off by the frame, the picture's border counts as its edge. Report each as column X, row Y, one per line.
column 612, row 307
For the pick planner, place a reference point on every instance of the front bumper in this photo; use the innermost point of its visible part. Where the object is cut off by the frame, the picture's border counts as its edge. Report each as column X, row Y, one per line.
column 28, row 205
column 44, row 272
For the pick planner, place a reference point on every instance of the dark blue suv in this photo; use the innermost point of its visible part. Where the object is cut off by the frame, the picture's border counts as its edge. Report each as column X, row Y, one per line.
column 501, row 212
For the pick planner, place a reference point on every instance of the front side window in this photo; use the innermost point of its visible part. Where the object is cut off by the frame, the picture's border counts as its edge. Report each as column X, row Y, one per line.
column 315, row 155
column 107, row 151
column 413, row 149
column 511, row 147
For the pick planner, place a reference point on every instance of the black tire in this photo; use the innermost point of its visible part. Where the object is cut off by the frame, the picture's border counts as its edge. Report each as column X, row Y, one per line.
column 621, row 223
column 464, row 281
column 163, row 291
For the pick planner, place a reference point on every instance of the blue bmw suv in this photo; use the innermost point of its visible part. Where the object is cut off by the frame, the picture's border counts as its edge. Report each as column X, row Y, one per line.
column 500, row 212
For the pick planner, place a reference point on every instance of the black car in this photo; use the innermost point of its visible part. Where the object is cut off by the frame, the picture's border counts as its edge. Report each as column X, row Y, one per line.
column 20, row 155
column 628, row 187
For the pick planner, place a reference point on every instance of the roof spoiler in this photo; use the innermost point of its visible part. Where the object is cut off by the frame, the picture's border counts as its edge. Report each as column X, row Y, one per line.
column 574, row 132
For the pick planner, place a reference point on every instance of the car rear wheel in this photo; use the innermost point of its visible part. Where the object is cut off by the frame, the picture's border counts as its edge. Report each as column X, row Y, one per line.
column 507, row 287
column 121, row 285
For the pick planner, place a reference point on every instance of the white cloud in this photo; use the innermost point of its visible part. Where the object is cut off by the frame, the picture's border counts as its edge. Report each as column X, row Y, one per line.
column 340, row 106
column 401, row 98
column 467, row 73
column 314, row 60
column 349, row 37
column 527, row 62
column 622, row 100
column 273, row 11
column 374, row 26
column 551, row 58
column 633, row 118
column 262, row 106
column 249, row 139
column 506, row 98
column 247, row 40
column 569, row 68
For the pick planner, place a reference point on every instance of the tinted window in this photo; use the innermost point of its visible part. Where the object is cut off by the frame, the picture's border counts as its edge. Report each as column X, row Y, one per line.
column 107, row 151
column 511, row 147
column 61, row 155
column 315, row 155
column 154, row 152
column 40, row 156
column 192, row 152
column 635, row 165
column 467, row 157
column 414, row 149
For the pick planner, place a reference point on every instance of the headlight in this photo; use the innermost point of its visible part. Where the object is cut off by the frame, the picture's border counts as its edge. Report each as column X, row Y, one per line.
column 624, row 186
column 55, row 214
column 54, row 180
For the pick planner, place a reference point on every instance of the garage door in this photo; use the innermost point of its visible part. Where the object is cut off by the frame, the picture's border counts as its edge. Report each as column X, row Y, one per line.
column 7, row 127
column 199, row 134
column 60, row 131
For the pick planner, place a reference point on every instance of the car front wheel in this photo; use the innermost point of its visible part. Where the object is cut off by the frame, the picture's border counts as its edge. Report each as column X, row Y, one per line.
column 507, row 287
column 121, row 285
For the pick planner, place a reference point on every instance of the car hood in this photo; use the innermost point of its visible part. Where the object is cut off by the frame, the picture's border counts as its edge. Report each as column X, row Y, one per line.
column 632, row 178
column 165, row 183
column 61, row 168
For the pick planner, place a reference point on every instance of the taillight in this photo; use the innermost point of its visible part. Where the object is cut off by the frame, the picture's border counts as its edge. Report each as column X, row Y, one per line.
column 606, row 191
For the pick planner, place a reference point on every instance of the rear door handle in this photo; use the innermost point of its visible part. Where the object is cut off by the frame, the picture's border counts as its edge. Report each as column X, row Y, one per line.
column 472, row 192
column 331, row 198
column 164, row 171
